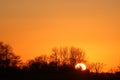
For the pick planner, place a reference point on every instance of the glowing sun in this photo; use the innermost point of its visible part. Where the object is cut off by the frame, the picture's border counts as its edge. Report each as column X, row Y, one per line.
column 80, row 66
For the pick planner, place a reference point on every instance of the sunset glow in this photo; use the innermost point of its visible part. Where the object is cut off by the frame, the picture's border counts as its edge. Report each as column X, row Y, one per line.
column 34, row 27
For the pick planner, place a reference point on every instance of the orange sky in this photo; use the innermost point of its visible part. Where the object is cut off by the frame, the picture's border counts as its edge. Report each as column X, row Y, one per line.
column 34, row 27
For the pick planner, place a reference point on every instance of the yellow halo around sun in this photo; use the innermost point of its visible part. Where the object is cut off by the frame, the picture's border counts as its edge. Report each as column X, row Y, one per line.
column 80, row 66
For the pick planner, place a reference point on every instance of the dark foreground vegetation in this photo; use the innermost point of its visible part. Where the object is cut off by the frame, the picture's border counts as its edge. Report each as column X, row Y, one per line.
column 59, row 73
column 58, row 66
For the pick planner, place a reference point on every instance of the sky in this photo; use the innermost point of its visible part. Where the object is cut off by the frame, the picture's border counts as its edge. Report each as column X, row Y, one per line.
column 34, row 27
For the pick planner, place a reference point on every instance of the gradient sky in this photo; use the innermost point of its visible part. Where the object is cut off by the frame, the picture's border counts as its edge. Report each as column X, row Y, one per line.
column 34, row 27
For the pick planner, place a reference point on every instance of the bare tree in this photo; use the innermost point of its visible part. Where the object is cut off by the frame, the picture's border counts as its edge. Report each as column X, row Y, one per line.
column 64, row 55
column 118, row 68
column 41, row 59
column 54, row 57
column 112, row 70
column 76, row 56
column 7, row 57
column 96, row 67
column 115, row 69
column 67, row 55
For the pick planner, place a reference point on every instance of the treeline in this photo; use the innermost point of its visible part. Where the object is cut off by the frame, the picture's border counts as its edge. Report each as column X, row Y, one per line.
column 58, row 66
column 62, row 56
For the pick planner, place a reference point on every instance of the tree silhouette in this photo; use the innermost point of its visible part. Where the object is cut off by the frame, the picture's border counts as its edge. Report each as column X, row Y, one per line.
column 60, row 65
column 60, row 56
column 118, row 68
column 76, row 56
column 7, row 57
column 64, row 55
column 37, row 64
column 54, row 57
column 96, row 67
column 68, row 55
column 115, row 69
